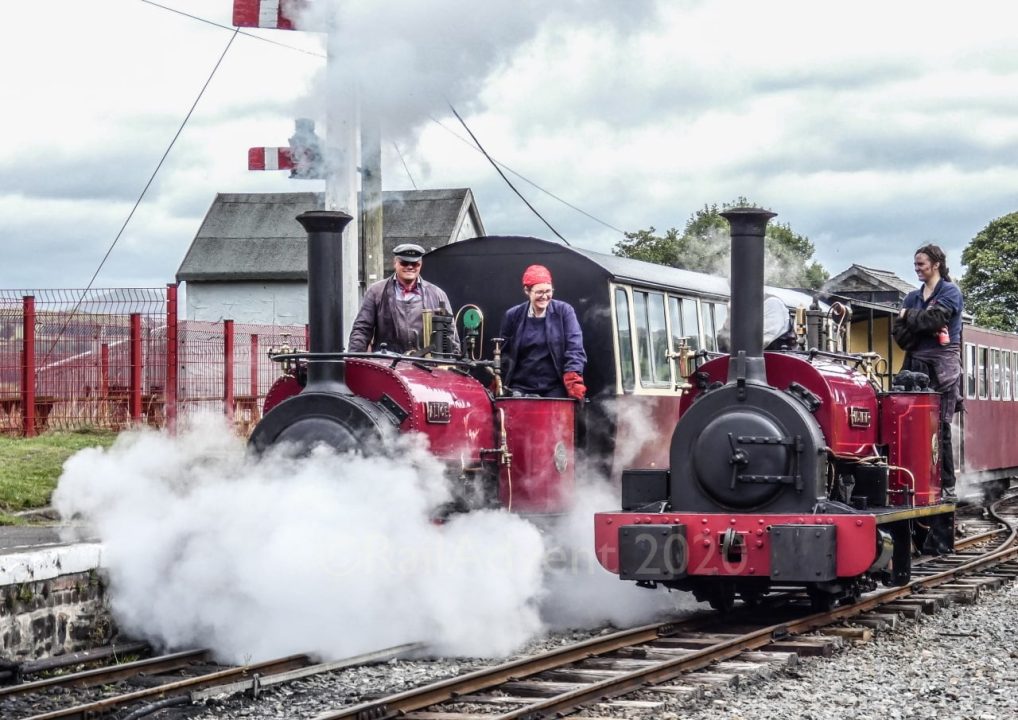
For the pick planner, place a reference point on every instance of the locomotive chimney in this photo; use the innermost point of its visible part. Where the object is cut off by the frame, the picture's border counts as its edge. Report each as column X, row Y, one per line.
column 325, row 297
column 748, row 226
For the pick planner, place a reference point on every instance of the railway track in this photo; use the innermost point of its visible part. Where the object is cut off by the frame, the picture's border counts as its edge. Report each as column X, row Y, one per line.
column 659, row 658
column 652, row 658
column 170, row 680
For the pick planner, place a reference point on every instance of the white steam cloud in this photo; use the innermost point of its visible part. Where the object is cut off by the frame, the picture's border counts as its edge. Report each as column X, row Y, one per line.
column 410, row 59
column 331, row 555
column 582, row 594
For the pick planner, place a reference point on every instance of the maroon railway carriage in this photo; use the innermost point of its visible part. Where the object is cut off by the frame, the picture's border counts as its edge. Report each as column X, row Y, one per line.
column 985, row 455
column 785, row 471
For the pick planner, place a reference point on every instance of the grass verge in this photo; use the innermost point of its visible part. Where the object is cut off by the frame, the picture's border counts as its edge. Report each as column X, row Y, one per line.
column 30, row 467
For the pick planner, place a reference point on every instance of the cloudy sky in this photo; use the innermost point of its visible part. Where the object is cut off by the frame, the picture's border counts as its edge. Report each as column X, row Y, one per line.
column 871, row 127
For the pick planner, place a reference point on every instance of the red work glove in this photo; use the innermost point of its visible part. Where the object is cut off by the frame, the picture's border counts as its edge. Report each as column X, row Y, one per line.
column 574, row 385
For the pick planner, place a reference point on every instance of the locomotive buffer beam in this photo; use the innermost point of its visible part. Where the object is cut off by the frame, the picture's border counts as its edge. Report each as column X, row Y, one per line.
column 740, row 459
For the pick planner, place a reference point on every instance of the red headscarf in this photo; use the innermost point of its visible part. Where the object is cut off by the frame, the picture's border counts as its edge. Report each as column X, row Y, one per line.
column 536, row 274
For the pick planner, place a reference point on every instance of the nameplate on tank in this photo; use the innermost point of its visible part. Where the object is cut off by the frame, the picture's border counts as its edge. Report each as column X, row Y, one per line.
column 437, row 412
column 860, row 417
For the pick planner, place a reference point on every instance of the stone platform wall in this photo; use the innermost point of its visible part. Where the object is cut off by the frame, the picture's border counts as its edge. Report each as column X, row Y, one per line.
column 63, row 614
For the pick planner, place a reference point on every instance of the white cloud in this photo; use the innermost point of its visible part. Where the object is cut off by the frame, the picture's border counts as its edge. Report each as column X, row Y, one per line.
column 870, row 127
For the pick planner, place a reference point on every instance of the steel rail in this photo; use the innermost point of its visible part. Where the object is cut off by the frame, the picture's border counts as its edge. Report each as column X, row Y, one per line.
column 487, row 678
column 448, row 690
column 639, row 679
column 54, row 663
column 101, row 676
column 89, row 710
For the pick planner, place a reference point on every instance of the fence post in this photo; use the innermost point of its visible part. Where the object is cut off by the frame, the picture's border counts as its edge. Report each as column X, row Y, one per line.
column 136, row 368
column 28, row 366
column 253, row 360
column 171, row 358
column 228, row 399
column 104, row 372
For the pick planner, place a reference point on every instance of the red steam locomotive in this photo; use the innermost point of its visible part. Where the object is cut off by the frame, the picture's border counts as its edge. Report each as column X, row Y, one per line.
column 786, row 470
column 511, row 452
column 783, row 471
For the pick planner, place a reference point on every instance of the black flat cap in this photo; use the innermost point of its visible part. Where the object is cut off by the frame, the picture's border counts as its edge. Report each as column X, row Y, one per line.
column 408, row 252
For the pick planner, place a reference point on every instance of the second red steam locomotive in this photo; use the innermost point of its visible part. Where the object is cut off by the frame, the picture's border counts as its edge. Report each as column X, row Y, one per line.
column 786, row 470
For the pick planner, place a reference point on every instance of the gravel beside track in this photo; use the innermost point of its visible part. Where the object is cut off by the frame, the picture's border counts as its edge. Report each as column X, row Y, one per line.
column 959, row 663
column 315, row 695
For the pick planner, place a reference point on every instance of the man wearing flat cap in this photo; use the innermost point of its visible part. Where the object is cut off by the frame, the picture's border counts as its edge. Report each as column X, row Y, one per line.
column 392, row 309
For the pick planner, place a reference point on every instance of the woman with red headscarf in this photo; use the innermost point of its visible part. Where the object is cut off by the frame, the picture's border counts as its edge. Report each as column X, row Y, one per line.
column 543, row 342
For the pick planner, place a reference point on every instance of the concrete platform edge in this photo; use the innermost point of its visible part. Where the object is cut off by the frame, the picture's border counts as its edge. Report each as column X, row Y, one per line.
column 46, row 563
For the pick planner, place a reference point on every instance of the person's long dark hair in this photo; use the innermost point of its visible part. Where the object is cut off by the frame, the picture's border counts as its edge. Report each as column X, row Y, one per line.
column 936, row 255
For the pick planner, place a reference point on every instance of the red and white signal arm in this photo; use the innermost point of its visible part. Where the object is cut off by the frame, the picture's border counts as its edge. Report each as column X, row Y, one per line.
column 276, row 14
column 269, row 158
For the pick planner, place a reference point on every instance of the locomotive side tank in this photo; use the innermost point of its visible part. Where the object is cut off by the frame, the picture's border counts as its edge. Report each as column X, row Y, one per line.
column 785, row 471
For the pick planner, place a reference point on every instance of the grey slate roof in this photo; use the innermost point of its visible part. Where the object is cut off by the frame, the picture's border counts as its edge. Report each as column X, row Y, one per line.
column 254, row 236
column 859, row 278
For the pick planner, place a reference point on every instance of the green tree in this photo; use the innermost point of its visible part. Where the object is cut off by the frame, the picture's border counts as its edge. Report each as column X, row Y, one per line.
column 990, row 283
column 704, row 246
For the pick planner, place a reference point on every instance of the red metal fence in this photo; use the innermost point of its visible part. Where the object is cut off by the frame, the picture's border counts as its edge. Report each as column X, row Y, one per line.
column 112, row 357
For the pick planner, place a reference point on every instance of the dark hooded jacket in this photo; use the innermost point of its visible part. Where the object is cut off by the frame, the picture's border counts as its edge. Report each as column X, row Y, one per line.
column 565, row 339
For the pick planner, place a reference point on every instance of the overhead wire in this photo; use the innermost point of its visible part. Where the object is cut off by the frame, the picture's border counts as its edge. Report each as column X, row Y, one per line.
column 474, row 146
column 144, row 190
column 527, row 180
column 402, row 160
column 507, row 180
column 237, row 31
column 232, row 29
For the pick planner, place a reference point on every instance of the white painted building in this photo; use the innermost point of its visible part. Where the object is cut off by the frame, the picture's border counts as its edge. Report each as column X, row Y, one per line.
column 248, row 262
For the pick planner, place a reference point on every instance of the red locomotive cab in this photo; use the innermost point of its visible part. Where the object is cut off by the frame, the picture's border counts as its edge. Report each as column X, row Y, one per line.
column 909, row 423
column 452, row 410
column 539, row 434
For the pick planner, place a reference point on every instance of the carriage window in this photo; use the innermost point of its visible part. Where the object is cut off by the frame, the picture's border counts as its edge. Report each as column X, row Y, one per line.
column 984, row 372
column 690, row 322
column 1005, row 375
column 710, row 329
column 970, row 370
column 625, row 347
column 651, row 338
column 995, row 359
column 720, row 315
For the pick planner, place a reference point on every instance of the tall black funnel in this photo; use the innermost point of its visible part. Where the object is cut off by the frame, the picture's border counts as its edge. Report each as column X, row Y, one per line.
column 325, row 297
column 748, row 226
